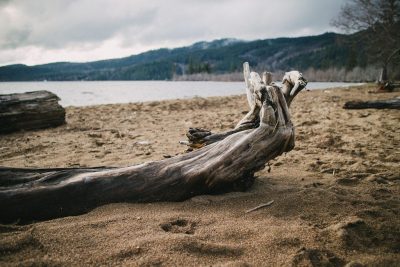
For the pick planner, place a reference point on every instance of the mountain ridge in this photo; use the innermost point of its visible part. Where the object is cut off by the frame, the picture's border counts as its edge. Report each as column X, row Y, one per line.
column 218, row 57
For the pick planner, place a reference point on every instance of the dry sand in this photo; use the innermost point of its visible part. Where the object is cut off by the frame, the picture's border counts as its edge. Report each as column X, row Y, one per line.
column 336, row 195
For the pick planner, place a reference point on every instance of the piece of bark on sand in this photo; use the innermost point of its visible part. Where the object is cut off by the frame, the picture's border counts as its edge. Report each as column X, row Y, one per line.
column 225, row 165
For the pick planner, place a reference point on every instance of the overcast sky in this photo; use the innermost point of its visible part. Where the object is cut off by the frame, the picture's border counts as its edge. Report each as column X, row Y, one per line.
column 41, row 31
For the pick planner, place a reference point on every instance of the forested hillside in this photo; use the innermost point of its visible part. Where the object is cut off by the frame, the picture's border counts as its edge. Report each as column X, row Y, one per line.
column 322, row 52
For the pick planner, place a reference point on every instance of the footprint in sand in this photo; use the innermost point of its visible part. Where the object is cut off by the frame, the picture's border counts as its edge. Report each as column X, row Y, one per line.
column 13, row 240
column 203, row 248
column 352, row 233
column 182, row 226
column 348, row 181
column 316, row 257
column 382, row 194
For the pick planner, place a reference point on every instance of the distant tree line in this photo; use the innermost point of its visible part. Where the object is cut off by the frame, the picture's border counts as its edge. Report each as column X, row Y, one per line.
column 198, row 67
column 317, row 55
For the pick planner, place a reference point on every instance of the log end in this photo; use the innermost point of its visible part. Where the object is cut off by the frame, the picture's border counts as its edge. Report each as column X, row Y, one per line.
column 30, row 111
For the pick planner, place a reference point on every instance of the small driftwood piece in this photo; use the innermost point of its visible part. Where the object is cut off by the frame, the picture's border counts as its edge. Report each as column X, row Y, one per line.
column 260, row 206
column 225, row 165
column 29, row 111
column 377, row 104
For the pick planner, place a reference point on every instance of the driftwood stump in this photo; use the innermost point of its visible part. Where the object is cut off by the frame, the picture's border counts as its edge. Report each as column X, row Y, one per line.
column 292, row 83
column 29, row 111
column 227, row 163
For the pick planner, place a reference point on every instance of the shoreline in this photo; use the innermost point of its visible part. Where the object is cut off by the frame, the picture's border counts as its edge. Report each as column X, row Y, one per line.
column 84, row 94
column 336, row 195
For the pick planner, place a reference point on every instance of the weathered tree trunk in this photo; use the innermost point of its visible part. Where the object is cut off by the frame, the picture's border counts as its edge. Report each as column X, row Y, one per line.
column 378, row 104
column 383, row 75
column 28, row 111
column 383, row 80
column 229, row 164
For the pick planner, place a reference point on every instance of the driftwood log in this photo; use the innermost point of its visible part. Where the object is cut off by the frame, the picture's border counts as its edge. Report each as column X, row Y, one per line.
column 31, row 110
column 228, row 163
column 377, row 104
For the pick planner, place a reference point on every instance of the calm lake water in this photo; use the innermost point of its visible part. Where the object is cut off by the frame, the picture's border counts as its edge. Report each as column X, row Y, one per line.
column 111, row 92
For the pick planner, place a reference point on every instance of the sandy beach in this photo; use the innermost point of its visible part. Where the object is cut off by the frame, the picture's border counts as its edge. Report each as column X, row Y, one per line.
column 336, row 195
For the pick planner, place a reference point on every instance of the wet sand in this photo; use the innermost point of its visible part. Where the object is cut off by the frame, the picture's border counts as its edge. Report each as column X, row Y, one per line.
column 336, row 195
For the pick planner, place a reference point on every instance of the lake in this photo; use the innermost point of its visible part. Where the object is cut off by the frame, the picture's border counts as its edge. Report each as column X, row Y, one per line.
column 110, row 92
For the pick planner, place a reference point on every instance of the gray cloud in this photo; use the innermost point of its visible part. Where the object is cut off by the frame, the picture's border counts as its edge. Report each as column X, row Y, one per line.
column 60, row 23
column 85, row 26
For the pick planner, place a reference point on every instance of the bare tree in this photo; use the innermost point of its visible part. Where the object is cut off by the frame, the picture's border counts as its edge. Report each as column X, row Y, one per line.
column 377, row 23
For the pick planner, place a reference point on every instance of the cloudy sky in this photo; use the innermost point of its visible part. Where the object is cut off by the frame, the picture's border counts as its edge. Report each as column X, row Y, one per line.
column 41, row 31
